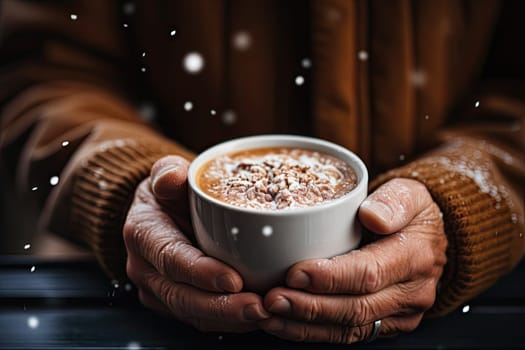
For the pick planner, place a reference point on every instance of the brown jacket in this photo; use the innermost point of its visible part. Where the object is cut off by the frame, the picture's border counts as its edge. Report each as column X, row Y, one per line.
column 396, row 81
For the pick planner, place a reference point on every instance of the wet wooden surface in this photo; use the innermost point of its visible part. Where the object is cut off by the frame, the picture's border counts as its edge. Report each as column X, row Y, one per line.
column 71, row 305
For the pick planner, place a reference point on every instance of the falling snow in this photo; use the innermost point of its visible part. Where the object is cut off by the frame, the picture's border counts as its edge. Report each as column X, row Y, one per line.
column 125, row 25
column 143, row 69
column 193, row 62
column 32, row 322
column 27, row 246
column 213, row 112
column 33, row 268
column 229, row 117
column 419, row 78
column 299, row 80
column 267, row 231
column 362, row 55
column 65, row 143
column 128, row 8
column 173, row 32
column 242, row 40
column 466, row 309
column 128, row 287
column 401, row 157
column 476, row 104
column 73, row 17
column 143, row 53
column 98, row 172
column 220, row 337
column 34, row 188
column 306, row 63
column 53, row 180
column 147, row 111
column 480, row 175
column 234, row 231
column 427, row 117
column 188, row 106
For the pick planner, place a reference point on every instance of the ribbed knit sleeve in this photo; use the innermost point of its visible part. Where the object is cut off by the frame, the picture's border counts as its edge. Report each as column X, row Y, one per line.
column 102, row 192
column 482, row 217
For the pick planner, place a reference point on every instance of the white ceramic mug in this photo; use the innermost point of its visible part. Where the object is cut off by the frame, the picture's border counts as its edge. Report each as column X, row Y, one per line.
column 262, row 244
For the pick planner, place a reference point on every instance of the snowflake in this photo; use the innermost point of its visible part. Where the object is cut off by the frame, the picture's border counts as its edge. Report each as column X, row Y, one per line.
column 306, row 63
column 299, row 80
column 54, row 180
column 267, row 231
column 188, row 106
column 193, row 62
column 362, row 55
column 242, row 40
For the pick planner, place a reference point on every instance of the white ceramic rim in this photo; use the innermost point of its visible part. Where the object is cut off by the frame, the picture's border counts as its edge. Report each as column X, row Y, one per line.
column 277, row 141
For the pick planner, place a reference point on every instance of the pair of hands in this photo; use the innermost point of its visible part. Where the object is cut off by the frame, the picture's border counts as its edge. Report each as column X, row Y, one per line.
column 332, row 300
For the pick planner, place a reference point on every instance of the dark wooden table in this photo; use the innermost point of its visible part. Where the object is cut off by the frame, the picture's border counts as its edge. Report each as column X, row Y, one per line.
column 71, row 305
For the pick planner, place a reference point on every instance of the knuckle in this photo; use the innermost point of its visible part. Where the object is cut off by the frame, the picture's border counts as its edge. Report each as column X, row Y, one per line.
column 370, row 279
column 336, row 335
column 324, row 276
column 164, row 256
column 218, row 305
column 331, row 279
column 359, row 315
column 302, row 334
column 359, row 334
column 172, row 297
column 183, row 265
column 193, row 274
column 425, row 260
column 425, row 298
column 312, row 310
column 347, row 335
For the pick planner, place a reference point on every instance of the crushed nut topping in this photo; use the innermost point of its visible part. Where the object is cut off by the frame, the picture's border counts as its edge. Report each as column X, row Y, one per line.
column 276, row 178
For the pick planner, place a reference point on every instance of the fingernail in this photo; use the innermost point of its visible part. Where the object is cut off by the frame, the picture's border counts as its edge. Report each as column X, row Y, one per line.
column 380, row 209
column 255, row 312
column 299, row 280
column 163, row 172
column 169, row 183
column 225, row 283
column 274, row 325
column 281, row 306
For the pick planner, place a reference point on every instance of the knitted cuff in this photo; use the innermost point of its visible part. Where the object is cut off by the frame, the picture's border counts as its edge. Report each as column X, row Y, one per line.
column 102, row 192
column 478, row 222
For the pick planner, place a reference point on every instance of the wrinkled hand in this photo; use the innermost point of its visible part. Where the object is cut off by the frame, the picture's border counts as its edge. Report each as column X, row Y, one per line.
column 393, row 279
column 171, row 274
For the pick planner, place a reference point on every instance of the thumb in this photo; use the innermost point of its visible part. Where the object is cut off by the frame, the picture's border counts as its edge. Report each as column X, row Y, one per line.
column 394, row 205
column 169, row 177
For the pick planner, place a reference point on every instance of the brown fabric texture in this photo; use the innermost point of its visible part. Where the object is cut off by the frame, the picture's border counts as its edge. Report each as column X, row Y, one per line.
column 395, row 81
column 478, row 215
